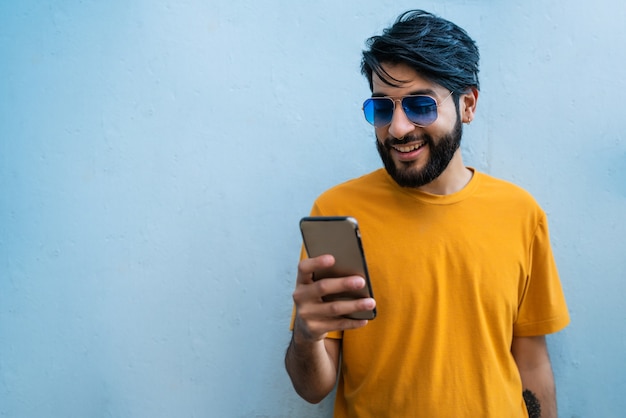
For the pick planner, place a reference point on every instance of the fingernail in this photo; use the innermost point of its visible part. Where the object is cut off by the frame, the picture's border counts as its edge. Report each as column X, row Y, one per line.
column 369, row 303
column 360, row 282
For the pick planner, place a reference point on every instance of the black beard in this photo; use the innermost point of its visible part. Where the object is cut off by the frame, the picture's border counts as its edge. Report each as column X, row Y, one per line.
column 441, row 153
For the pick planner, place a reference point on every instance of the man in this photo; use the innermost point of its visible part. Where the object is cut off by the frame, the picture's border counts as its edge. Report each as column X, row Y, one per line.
column 460, row 262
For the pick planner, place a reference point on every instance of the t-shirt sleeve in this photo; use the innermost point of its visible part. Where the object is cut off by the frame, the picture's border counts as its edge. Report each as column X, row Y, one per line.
column 542, row 309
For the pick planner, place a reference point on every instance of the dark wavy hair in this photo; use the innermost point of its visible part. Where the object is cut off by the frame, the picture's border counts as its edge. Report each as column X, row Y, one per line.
column 435, row 48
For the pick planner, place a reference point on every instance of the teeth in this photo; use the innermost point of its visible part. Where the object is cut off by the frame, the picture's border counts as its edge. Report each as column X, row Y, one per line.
column 408, row 148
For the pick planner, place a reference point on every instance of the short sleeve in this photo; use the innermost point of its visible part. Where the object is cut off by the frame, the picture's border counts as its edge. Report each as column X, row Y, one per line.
column 542, row 309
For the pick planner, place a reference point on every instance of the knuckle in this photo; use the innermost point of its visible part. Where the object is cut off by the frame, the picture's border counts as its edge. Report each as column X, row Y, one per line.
column 297, row 295
column 334, row 309
column 302, row 267
column 323, row 286
column 329, row 286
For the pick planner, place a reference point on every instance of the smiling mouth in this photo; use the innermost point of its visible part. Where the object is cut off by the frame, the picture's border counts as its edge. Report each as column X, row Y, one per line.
column 408, row 147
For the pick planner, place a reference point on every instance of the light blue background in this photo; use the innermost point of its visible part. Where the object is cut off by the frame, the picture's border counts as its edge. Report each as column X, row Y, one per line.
column 156, row 156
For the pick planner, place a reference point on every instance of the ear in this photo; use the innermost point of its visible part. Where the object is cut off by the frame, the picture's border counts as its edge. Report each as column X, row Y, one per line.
column 467, row 103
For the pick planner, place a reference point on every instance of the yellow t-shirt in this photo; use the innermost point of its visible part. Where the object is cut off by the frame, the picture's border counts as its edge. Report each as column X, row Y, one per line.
column 455, row 278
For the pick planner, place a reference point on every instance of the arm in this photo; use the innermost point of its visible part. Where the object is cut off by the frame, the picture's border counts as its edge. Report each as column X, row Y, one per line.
column 312, row 360
column 313, row 367
column 533, row 362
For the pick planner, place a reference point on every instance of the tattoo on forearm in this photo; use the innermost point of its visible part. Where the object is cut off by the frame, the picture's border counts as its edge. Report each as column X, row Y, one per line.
column 532, row 404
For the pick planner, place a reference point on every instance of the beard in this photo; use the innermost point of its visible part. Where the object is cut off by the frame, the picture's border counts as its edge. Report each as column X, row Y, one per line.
column 441, row 153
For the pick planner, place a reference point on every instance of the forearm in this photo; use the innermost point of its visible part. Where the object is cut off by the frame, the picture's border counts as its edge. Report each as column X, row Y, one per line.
column 533, row 362
column 540, row 391
column 312, row 369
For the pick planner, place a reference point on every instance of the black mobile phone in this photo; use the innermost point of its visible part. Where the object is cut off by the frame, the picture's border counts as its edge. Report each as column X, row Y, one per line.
column 340, row 237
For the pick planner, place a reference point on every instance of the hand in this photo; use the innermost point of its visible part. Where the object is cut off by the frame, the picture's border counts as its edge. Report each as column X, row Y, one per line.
column 315, row 317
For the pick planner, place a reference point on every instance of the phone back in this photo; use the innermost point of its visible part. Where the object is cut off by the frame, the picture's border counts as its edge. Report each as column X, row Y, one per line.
column 340, row 237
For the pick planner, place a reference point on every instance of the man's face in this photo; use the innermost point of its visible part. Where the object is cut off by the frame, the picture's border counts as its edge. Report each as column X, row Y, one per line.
column 415, row 156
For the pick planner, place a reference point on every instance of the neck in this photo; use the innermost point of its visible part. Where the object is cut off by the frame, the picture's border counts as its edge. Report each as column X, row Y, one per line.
column 453, row 179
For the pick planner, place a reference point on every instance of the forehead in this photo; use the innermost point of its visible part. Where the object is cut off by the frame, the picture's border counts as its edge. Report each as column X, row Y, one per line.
column 406, row 81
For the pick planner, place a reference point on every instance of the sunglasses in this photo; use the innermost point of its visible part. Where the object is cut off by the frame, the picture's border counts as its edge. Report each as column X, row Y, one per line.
column 419, row 109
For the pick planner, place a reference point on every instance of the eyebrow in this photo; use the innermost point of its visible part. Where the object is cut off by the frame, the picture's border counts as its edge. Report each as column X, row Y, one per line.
column 422, row 92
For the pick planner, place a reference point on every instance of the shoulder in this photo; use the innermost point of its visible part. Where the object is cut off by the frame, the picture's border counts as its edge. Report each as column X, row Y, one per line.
column 507, row 200
column 507, row 209
column 503, row 190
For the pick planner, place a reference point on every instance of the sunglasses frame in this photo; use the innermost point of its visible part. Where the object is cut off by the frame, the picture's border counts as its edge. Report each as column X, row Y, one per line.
column 401, row 100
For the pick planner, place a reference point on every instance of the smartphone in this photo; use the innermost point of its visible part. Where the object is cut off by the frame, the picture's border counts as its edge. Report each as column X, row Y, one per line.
column 340, row 237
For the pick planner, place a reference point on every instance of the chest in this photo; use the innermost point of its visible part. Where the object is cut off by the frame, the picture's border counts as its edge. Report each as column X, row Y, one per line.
column 450, row 258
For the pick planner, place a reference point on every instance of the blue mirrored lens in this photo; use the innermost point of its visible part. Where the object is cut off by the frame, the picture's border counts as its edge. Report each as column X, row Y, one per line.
column 378, row 111
column 421, row 110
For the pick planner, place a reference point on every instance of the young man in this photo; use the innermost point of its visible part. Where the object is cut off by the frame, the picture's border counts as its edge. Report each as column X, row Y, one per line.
column 460, row 262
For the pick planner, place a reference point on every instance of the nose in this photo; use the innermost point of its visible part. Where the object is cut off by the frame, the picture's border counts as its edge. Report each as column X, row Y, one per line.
column 400, row 125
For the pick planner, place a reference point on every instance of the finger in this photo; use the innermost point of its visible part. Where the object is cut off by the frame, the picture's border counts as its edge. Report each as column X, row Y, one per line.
column 307, row 266
column 313, row 291
column 335, row 285
column 315, row 320
column 333, row 311
column 342, row 308
column 318, row 330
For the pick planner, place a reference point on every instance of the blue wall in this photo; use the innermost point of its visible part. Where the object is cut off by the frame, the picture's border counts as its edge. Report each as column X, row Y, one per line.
column 155, row 157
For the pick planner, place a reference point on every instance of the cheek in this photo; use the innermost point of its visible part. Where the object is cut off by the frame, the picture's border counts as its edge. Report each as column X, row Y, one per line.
column 446, row 118
column 381, row 134
column 436, row 130
column 444, row 124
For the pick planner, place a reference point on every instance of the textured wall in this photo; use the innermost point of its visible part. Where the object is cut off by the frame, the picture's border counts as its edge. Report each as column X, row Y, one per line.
column 155, row 157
